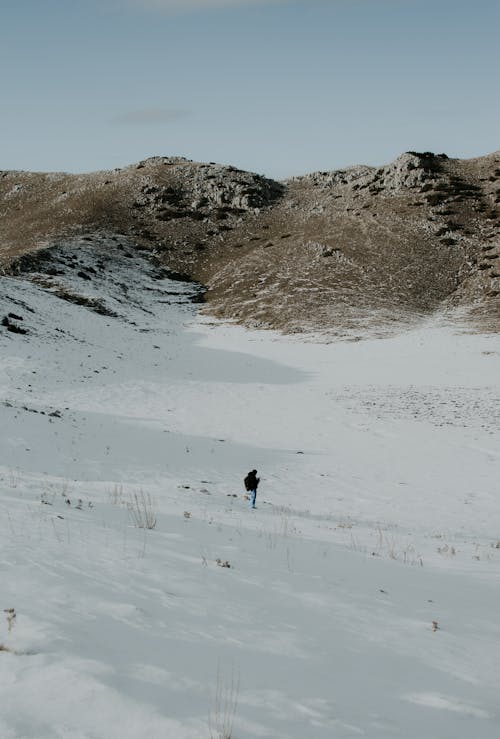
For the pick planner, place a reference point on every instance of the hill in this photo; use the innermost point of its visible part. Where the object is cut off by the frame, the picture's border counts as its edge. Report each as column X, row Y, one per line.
column 351, row 250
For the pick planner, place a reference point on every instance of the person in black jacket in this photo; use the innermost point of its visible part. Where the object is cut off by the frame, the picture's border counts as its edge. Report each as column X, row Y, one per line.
column 251, row 484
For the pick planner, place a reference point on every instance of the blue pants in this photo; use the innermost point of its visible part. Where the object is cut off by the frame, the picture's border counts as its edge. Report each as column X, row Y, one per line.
column 253, row 493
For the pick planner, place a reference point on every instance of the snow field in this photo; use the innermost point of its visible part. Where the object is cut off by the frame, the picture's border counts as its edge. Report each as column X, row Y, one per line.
column 359, row 599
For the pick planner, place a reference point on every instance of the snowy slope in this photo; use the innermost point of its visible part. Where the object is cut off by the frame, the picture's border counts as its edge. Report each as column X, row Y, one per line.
column 378, row 514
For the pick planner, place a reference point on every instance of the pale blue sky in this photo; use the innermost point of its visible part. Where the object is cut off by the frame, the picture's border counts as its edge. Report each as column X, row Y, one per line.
column 280, row 87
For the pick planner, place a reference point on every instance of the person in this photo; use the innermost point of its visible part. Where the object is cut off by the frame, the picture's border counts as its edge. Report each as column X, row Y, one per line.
column 251, row 484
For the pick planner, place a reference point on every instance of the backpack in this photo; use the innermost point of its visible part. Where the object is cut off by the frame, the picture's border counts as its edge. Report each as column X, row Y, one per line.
column 247, row 482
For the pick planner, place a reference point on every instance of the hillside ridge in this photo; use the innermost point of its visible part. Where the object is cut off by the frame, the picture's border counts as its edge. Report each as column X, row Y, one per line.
column 336, row 251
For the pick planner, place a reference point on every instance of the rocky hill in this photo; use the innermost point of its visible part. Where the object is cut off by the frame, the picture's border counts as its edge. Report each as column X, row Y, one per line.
column 352, row 250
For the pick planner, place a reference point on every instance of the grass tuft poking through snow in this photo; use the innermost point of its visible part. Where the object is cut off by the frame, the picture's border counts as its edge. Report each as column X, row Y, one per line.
column 142, row 511
column 221, row 719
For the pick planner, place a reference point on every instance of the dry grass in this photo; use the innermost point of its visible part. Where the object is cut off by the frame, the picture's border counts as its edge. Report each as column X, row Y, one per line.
column 221, row 719
column 141, row 506
column 11, row 616
column 117, row 495
column 142, row 510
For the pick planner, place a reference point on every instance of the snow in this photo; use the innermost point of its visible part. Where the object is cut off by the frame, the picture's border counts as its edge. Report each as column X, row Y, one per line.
column 377, row 515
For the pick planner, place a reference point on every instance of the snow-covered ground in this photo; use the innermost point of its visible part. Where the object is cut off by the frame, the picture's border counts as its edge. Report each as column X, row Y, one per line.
column 361, row 598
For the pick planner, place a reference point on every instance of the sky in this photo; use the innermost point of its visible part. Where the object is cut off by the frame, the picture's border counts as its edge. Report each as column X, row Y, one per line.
column 279, row 87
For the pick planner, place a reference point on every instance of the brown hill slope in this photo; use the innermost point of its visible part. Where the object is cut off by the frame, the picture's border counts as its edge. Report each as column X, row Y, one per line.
column 332, row 250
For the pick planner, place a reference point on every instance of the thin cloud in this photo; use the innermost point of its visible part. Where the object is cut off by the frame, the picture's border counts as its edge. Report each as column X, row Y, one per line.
column 188, row 5
column 150, row 116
